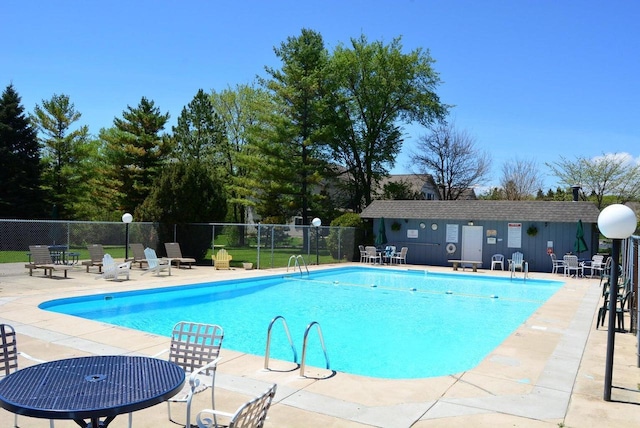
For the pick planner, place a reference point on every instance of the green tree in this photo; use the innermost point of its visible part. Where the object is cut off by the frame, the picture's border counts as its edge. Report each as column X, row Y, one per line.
column 185, row 193
column 240, row 109
column 400, row 190
column 607, row 175
column 199, row 135
column 134, row 150
column 291, row 147
column 20, row 194
column 68, row 156
column 375, row 88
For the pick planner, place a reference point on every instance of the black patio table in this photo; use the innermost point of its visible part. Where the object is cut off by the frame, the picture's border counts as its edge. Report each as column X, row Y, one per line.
column 88, row 389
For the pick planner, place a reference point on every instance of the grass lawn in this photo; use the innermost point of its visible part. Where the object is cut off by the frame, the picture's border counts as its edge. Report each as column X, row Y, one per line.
column 268, row 259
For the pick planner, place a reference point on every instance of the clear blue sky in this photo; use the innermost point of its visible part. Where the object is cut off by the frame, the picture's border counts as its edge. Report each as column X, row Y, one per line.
column 528, row 78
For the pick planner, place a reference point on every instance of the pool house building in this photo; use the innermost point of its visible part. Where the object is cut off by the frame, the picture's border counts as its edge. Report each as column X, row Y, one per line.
column 438, row 231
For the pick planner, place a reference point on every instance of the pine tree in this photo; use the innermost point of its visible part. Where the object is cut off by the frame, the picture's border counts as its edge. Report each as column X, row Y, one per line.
column 20, row 194
column 134, row 150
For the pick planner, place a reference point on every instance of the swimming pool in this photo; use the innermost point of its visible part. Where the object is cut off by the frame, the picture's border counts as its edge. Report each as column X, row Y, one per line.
column 386, row 323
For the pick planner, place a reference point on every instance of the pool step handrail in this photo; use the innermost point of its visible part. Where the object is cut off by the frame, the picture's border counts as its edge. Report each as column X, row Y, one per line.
column 286, row 330
column 304, row 346
column 296, row 264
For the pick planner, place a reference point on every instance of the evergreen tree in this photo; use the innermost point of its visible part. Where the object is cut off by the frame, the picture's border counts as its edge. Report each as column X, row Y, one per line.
column 20, row 194
column 292, row 146
column 68, row 157
column 134, row 151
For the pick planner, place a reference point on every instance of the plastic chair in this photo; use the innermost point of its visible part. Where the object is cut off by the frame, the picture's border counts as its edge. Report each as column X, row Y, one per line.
column 556, row 264
column 196, row 348
column 497, row 260
column 9, row 356
column 155, row 264
column 516, row 262
column 596, row 264
column 571, row 264
column 402, row 257
column 250, row 415
column 363, row 253
column 113, row 270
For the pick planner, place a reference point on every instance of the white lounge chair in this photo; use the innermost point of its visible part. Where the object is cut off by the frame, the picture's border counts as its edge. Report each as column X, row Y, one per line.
column 113, row 270
column 155, row 264
column 250, row 415
column 196, row 348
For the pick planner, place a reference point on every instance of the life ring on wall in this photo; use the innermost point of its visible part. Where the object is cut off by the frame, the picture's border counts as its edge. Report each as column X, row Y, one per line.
column 451, row 248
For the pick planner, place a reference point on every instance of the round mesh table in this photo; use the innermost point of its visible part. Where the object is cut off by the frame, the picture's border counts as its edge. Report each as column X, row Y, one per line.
column 90, row 390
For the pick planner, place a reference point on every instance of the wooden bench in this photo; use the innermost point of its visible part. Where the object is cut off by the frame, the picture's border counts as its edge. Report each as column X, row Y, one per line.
column 474, row 264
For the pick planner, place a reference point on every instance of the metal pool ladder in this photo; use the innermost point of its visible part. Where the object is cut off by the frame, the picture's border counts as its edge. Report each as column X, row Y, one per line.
column 304, row 346
column 286, row 330
column 296, row 264
column 293, row 348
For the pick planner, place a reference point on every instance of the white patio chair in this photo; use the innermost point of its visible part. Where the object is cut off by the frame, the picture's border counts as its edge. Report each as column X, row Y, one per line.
column 516, row 262
column 155, row 264
column 402, row 257
column 597, row 264
column 372, row 255
column 363, row 254
column 571, row 264
column 113, row 270
column 196, row 348
column 252, row 414
column 9, row 357
column 556, row 264
column 497, row 260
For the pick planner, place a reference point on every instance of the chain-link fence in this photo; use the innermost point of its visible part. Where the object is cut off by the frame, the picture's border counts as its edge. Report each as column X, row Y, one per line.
column 261, row 245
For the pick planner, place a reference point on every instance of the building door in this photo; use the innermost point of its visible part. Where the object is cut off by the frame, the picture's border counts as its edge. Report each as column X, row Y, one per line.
column 472, row 243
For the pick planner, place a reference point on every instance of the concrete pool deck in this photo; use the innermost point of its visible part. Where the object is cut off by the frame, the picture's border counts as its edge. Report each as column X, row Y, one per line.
column 548, row 373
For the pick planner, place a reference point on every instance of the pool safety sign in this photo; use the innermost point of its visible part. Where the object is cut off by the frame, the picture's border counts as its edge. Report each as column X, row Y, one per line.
column 514, row 235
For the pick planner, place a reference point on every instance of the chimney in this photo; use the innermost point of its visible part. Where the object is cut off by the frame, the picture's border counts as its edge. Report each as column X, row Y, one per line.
column 575, row 188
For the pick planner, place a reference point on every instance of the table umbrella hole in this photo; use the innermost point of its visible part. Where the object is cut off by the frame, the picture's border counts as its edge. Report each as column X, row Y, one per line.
column 95, row 377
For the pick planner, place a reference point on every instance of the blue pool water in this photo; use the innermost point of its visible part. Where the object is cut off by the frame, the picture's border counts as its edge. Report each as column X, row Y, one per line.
column 375, row 322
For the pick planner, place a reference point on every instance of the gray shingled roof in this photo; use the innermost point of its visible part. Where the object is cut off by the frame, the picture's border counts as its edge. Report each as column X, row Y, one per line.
column 557, row 212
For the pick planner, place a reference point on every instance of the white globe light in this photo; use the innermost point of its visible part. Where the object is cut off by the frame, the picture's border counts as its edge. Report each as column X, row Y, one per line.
column 316, row 222
column 617, row 221
column 127, row 218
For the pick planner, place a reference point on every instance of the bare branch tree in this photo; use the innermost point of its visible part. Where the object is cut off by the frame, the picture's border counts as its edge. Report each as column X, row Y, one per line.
column 452, row 160
column 521, row 179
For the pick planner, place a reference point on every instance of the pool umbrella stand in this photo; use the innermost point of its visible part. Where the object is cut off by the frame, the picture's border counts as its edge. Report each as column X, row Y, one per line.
column 381, row 237
column 580, row 245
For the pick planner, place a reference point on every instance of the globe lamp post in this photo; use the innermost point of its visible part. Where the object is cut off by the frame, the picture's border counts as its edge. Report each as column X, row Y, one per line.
column 616, row 222
column 316, row 222
column 126, row 219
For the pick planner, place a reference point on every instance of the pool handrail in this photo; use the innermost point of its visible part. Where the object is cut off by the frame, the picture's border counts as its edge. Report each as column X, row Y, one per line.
column 304, row 346
column 296, row 264
column 268, row 349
